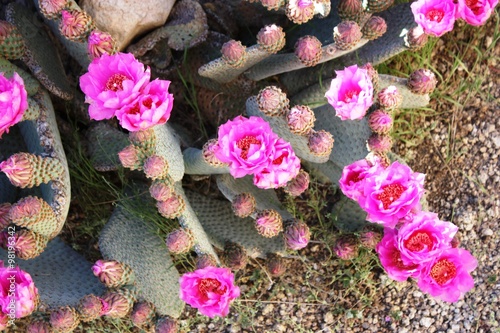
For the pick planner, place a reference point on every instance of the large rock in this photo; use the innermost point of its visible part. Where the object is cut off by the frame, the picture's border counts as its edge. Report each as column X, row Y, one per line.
column 126, row 19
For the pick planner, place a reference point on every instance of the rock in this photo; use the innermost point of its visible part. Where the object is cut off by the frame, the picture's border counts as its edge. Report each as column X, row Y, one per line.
column 426, row 322
column 126, row 19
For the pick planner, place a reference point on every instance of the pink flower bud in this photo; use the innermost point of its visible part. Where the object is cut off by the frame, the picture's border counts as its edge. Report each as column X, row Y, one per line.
column 4, row 215
column 272, row 101
column 300, row 11
column 64, row 319
column 25, row 208
column 28, row 244
column 298, row 185
column 179, row 241
column 142, row 314
column 297, row 234
column 272, row 4
column 271, row 38
column 142, row 138
column 129, row 157
column 234, row 53
column 300, row 119
column 390, row 98
column 416, row 38
column 18, row 169
column 160, row 190
column 377, row 6
column 422, row 81
column 320, row 143
column 269, row 223
column 244, row 204
column 120, row 302
column 166, row 325
column 112, row 273
column 372, row 74
column 346, row 35
column 350, row 10
column 90, row 308
column 205, row 260
column 276, row 265
column 234, row 256
column 308, row 50
column 380, row 143
column 172, row 207
column 208, row 152
column 374, row 28
column 39, row 326
column 156, row 167
column 380, row 122
column 100, row 43
column 370, row 237
column 75, row 25
column 346, row 247
column 51, row 9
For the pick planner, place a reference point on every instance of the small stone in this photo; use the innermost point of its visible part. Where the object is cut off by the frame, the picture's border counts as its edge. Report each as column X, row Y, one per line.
column 426, row 322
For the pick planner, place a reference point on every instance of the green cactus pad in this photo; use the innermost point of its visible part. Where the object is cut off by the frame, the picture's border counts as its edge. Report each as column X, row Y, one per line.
column 30, row 83
column 167, row 146
column 348, row 216
column 105, row 144
column 129, row 239
column 61, row 275
column 40, row 56
column 222, row 225
column 195, row 163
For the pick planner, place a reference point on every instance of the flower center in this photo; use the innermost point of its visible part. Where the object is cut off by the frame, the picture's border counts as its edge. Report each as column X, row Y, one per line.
column 148, row 102
column 209, row 285
column 418, row 241
column 435, row 15
column 244, row 145
column 349, row 95
column 474, row 5
column 304, row 3
column 354, row 177
column 398, row 262
column 134, row 109
column 443, row 271
column 280, row 159
column 390, row 194
column 115, row 82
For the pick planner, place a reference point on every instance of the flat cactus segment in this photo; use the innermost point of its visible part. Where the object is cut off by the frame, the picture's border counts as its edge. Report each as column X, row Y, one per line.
column 40, row 56
column 326, row 172
column 410, row 100
column 350, row 135
column 127, row 238
column 222, row 225
column 189, row 220
column 265, row 199
column 348, row 216
column 167, row 146
column 280, row 127
column 30, row 83
column 195, row 164
column 105, row 144
column 61, row 275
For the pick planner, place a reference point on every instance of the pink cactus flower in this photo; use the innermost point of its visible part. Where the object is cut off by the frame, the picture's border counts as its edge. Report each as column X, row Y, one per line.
column 210, row 290
column 112, row 82
column 475, row 12
column 390, row 258
column 281, row 170
column 22, row 301
column 436, row 17
column 391, row 193
column 13, row 101
column 152, row 107
column 247, row 145
column 352, row 183
column 351, row 93
column 424, row 238
column 447, row 276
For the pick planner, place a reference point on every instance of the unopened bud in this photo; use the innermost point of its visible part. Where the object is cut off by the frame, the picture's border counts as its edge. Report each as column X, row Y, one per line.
column 113, row 273
column 390, row 98
column 320, row 142
column 422, row 81
column 156, row 167
column 298, row 185
column 297, row 234
column 244, row 204
column 300, row 11
column 234, row 256
column 172, row 207
column 272, row 101
column 276, row 265
column 90, row 308
column 300, row 119
column 271, row 38
column 380, row 122
column 100, row 43
column 346, row 247
column 205, row 260
column 416, row 38
column 374, row 28
column 179, row 241
column 64, row 319
column 143, row 314
column 269, row 223
column 308, row 50
column 166, row 325
column 346, row 35
column 75, row 25
column 234, row 53
column 208, row 152
column 129, row 158
column 380, row 143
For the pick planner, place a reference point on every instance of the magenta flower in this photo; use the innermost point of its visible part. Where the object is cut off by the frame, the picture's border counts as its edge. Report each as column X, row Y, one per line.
column 352, row 181
column 351, row 93
column 13, row 101
column 391, row 193
column 210, row 290
column 22, row 301
column 475, row 12
column 447, row 276
column 390, row 258
column 112, row 82
column 247, row 145
column 436, row 17
column 424, row 238
column 152, row 107
column 281, row 170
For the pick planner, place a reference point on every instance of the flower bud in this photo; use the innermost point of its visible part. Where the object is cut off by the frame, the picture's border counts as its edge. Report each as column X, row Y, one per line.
column 346, row 35
column 390, row 98
column 422, row 81
column 113, row 273
column 370, row 237
column 380, row 122
column 377, row 6
column 172, row 207
column 90, row 308
column 161, row 190
column 234, row 256
column 272, row 4
column 129, row 158
column 276, row 265
column 269, row 223
column 346, row 247
column 39, row 326
column 145, row 139
column 300, row 119
column 320, row 142
column 51, row 9
column 205, row 260
column 300, row 11
column 143, row 314
column 272, row 101
column 100, row 43
column 28, row 244
column 28, row 170
column 75, row 25
column 120, row 302
column 64, row 319
column 166, row 325
column 374, row 28
column 4, row 215
column 208, row 152
column 350, row 10
column 372, row 73
column 180, row 241
column 234, row 53
column 156, row 167
column 416, row 38
column 11, row 42
column 244, row 204
column 298, row 185
column 35, row 214
column 297, row 234
column 379, row 143
column 308, row 50
column 271, row 38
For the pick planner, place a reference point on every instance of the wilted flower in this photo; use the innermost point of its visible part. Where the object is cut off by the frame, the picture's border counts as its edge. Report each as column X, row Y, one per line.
column 234, row 256
column 13, row 101
column 447, row 276
column 346, row 247
column 436, row 17
column 25, row 293
column 351, row 93
column 276, row 265
column 210, row 290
